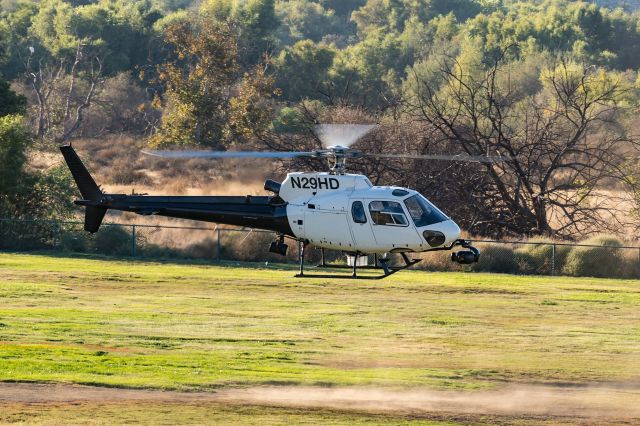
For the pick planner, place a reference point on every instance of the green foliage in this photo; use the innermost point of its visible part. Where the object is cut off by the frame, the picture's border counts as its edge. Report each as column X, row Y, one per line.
column 255, row 22
column 598, row 261
column 74, row 241
column 541, row 257
column 112, row 240
column 392, row 15
column 306, row 20
column 14, row 141
column 197, row 82
column 593, row 34
column 343, row 8
column 25, row 193
column 115, row 30
column 10, row 102
column 289, row 120
column 496, row 258
column 302, row 69
column 251, row 109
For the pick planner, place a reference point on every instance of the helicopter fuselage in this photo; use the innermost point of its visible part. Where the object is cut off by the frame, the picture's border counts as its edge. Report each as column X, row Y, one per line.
column 348, row 213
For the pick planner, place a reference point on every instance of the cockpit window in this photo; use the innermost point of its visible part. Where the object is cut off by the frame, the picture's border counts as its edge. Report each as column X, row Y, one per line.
column 423, row 212
column 387, row 213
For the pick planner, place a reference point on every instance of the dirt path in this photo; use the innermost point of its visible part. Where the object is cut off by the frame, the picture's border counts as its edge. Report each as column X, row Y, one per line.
column 603, row 401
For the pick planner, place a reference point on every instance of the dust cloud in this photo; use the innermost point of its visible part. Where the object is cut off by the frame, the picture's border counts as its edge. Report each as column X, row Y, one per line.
column 597, row 402
column 607, row 401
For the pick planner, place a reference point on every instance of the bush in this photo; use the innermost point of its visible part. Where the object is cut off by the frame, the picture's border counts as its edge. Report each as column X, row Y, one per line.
column 496, row 258
column 437, row 261
column 112, row 240
column 540, row 258
column 205, row 249
column 602, row 262
column 73, row 241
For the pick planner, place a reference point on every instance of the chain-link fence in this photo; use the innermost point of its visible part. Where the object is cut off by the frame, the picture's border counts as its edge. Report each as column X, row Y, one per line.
column 545, row 258
column 220, row 243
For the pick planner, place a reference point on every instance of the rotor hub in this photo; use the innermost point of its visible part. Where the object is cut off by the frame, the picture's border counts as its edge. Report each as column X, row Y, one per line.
column 337, row 156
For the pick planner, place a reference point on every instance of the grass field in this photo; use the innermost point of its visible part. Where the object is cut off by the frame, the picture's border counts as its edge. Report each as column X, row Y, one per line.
column 197, row 327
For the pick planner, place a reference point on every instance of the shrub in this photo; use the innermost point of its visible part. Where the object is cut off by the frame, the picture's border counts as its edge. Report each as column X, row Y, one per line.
column 604, row 261
column 73, row 241
column 540, row 258
column 113, row 240
column 496, row 258
column 205, row 249
column 437, row 261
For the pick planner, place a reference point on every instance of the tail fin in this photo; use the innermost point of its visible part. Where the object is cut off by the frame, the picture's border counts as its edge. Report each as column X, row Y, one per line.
column 93, row 215
column 86, row 184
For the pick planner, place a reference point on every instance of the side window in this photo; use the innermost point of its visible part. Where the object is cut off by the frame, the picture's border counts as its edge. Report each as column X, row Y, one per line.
column 357, row 211
column 387, row 213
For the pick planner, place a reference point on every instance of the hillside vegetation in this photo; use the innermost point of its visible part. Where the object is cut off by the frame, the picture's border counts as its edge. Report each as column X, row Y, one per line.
column 551, row 84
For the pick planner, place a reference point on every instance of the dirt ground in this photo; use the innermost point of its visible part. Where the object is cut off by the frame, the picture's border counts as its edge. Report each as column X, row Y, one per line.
column 598, row 403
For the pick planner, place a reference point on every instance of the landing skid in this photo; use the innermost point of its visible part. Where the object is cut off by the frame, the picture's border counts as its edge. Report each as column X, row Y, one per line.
column 383, row 265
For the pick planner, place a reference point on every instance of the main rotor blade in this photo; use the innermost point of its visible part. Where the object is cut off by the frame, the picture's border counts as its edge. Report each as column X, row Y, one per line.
column 458, row 157
column 342, row 134
column 226, row 154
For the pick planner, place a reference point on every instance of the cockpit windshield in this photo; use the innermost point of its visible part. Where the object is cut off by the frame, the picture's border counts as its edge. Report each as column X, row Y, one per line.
column 423, row 212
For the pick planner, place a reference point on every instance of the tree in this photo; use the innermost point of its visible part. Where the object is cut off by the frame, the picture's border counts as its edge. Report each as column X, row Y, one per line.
column 255, row 23
column 306, row 20
column 63, row 91
column 10, row 102
column 258, row 21
column 252, row 109
column 303, row 70
column 208, row 101
column 562, row 145
column 198, row 84
column 66, row 54
column 367, row 72
column 25, row 193
column 343, row 7
column 392, row 15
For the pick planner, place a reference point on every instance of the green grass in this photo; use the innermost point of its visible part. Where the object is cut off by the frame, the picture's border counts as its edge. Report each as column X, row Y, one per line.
column 156, row 325
column 198, row 327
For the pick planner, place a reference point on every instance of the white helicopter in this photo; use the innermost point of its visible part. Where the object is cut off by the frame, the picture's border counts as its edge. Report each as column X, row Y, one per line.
column 330, row 210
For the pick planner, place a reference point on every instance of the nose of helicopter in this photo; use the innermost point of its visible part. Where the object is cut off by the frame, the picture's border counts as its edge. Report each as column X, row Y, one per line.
column 441, row 233
column 452, row 231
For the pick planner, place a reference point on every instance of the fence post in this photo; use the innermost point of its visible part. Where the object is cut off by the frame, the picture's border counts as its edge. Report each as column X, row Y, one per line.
column 133, row 241
column 218, row 244
column 57, row 236
column 553, row 259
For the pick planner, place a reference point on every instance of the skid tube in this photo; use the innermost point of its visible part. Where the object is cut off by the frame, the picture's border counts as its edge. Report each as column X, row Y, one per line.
column 383, row 264
column 380, row 263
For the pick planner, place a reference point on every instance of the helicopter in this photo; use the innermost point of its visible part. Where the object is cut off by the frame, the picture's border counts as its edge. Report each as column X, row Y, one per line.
column 332, row 210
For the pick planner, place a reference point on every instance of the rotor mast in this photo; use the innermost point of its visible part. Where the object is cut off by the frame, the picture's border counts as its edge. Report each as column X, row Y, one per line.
column 337, row 159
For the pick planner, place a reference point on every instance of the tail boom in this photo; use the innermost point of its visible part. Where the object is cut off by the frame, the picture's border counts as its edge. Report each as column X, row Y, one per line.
column 260, row 212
